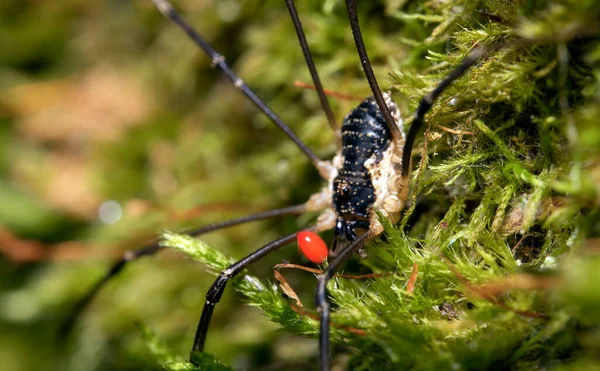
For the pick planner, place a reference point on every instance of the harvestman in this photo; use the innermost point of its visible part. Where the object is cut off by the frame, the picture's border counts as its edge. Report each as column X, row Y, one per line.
column 368, row 175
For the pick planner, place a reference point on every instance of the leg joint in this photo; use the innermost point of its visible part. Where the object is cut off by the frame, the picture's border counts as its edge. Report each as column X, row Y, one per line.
column 218, row 287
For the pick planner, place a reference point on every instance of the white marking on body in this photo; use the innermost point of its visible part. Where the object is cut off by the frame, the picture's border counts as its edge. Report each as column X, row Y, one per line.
column 320, row 201
column 394, row 111
column 390, row 190
column 326, row 220
column 337, row 162
column 327, row 169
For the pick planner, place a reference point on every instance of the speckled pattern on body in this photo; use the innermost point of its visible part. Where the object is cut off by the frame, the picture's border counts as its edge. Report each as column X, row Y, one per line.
column 364, row 135
column 366, row 142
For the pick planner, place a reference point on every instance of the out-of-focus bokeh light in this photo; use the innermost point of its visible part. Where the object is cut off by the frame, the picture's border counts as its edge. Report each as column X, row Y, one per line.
column 110, row 212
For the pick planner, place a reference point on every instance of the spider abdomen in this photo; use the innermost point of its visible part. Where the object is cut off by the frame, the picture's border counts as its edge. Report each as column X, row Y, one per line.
column 366, row 139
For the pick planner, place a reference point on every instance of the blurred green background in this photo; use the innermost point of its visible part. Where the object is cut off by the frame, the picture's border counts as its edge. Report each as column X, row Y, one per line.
column 107, row 100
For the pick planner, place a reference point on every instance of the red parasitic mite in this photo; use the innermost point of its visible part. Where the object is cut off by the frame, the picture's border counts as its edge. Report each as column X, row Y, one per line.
column 312, row 246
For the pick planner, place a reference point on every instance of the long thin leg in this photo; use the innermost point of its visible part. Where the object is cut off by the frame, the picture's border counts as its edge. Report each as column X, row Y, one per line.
column 216, row 290
column 430, row 98
column 425, row 103
column 154, row 247
column 219, row 62
column 323, row 304
column 311, row 67
column 366, row 64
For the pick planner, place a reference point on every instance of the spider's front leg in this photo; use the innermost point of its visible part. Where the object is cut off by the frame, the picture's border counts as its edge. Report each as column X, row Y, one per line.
column 326, row 221
column 322, row 297
column 218, row 287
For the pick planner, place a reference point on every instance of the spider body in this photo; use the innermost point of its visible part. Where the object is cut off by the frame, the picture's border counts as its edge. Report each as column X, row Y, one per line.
column 367, row 172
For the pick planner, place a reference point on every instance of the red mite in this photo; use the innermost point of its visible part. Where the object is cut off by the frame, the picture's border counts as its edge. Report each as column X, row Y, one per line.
column 312, row 246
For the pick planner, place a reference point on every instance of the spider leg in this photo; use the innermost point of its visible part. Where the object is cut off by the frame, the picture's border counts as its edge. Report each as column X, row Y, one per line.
column 154, row 247
column 218, row 61
column 325, row 222
column 313, row 70
column 427, row 101
column 218, row 287
column 322, row 298
column 476, row 54
column 366, row 64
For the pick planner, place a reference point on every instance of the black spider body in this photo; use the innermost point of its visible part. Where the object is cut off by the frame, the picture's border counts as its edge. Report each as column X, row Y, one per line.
column 365, row 138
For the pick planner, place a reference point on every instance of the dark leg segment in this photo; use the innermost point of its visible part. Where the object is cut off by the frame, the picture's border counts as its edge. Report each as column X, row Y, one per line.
column 154, row 247
column 219, row 62
column 430, row 98
column 425, row 103
column 323, row 304
column 366, row 64
column 311, row 67
column 216, row 290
